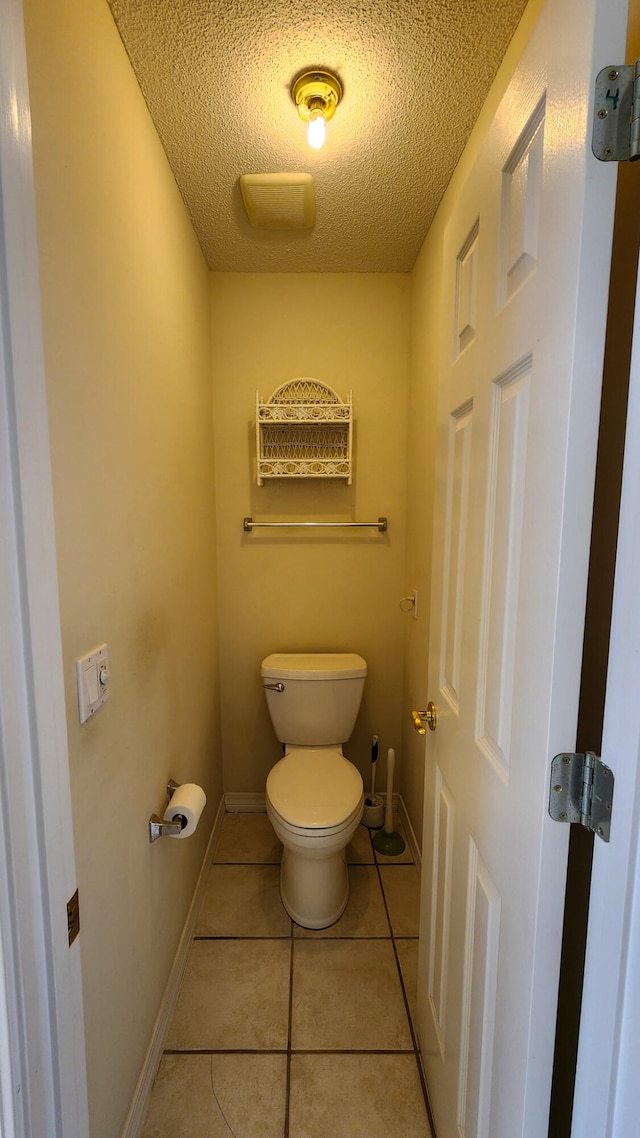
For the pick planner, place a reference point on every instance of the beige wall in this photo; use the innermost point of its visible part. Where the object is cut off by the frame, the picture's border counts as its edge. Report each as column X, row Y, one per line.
column 309, row 591
column 127, row 341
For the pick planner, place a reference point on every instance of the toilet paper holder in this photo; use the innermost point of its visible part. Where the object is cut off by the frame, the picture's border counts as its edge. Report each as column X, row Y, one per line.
column 158, row 827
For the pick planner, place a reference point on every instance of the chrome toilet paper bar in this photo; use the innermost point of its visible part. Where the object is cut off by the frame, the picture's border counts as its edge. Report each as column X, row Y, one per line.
column 185, row 803
column 158, row 827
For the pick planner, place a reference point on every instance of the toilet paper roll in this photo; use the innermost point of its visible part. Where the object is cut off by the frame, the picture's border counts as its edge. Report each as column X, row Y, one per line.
column 186, row 806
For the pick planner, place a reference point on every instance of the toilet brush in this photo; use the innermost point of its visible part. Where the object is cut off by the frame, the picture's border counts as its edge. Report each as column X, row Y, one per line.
column 374, row 759
column 373, row 811
column 387, row 841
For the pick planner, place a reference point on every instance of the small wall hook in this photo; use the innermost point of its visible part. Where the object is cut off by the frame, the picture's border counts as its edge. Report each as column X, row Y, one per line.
column 410, row 604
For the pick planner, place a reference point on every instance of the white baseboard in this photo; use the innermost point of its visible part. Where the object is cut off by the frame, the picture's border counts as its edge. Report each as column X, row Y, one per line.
column 244, row 803
column 151, row 1063
column 410, row 833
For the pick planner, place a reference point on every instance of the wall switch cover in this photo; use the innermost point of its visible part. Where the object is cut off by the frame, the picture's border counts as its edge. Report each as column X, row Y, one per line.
column 92, row 673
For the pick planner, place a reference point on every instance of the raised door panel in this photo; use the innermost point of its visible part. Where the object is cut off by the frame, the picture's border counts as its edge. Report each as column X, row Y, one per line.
column 479, row 984
column 506, row 449
column 439, row 938
column 454, row 553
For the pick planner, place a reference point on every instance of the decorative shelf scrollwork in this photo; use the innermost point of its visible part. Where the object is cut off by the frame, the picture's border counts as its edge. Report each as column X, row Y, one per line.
column 304, row 431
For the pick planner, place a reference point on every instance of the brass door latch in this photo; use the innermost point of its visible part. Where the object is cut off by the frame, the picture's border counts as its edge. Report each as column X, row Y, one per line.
column 428, row 716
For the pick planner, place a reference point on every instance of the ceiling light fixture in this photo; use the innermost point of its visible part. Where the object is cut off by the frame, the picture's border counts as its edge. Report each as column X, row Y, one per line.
column 316, row 95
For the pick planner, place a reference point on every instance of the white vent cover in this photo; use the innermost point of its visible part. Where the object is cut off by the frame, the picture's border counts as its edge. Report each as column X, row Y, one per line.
column 279, row 201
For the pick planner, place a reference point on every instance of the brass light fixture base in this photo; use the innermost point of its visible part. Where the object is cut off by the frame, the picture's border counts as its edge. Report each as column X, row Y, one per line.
column 316, row 91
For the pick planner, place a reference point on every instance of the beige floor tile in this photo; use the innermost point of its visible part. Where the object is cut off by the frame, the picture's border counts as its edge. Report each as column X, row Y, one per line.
column 243, row 900
column 359, row 851
column 205, row 1096
column 406, row 857
column 247, row 838
column 347, row 996
column 401, row 886
column 408, row 956
column 234, row 995
column 356, row 1096
column 365, row 914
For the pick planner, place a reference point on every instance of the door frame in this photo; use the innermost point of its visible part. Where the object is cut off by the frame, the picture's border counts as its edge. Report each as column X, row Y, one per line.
column 42, row 1062
column 607, row 1095
column 42, row 1057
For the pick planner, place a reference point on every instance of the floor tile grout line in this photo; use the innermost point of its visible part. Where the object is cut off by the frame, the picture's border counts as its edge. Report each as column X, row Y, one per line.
column 293, row 1051
column 384, row 901
column 275, row 864
column 241, row 936
column 224, row 1051
column 425, row 1092
column 404, row 995
column 297, row 937
column 354, row 1051
column 289, row 1040
column 414, row 1038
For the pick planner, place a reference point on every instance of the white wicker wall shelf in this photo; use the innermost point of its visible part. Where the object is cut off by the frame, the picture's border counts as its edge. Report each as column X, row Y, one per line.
column 304, row 431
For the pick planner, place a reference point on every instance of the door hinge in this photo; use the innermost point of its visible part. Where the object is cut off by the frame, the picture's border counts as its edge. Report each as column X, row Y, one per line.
column 582, row 791
column 616, row 114
column 73, row 917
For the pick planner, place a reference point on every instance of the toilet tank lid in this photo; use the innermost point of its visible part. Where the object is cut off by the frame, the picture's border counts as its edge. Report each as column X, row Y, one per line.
column 314, row 666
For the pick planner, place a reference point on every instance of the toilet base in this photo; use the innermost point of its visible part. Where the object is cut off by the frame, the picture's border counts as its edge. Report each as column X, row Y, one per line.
column 314, row 890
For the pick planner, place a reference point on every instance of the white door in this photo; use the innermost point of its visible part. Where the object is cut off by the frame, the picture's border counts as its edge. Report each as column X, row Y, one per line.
column 607, row 1099
column 525, row 275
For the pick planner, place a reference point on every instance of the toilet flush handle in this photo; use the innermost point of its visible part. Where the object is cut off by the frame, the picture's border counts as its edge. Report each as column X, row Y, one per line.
column 273, row 687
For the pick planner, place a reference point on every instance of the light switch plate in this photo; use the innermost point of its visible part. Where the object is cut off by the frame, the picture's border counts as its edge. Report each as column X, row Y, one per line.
column 92, row 673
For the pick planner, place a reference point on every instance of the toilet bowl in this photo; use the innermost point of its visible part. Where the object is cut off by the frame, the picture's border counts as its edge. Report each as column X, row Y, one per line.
column 314, row 802
column 314, row 795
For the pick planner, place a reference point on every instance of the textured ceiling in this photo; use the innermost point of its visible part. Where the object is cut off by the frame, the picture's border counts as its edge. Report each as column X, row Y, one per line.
column 216, row 75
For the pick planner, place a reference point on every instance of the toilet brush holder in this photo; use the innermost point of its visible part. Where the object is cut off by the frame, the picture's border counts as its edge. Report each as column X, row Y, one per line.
column 373, row 812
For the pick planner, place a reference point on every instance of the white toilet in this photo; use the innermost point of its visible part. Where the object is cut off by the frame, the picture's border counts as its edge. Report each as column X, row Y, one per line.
column 314, row 794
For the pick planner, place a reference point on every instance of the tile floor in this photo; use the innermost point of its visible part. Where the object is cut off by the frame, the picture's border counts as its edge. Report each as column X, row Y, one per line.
column 281, row 1032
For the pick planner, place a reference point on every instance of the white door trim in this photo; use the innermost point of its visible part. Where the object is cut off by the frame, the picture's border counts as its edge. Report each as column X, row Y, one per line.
column 607, row 1095
column 42, row 1061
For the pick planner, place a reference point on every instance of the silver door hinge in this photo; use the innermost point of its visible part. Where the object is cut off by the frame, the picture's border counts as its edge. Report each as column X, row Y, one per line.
column 616, row 117
column 582, row 791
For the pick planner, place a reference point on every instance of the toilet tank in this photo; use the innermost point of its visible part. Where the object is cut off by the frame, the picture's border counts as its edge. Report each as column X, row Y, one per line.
column 319, row 698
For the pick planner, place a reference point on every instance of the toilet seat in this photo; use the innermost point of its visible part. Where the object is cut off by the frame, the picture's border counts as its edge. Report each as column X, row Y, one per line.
column 316, row 789
column 313, row 833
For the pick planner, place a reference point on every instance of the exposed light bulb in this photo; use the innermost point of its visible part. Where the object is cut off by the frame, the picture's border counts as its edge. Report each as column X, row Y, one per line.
column 316, row 130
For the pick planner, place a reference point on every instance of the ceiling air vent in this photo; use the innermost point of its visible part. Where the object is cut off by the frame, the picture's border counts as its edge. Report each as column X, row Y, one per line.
column 279, row 201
